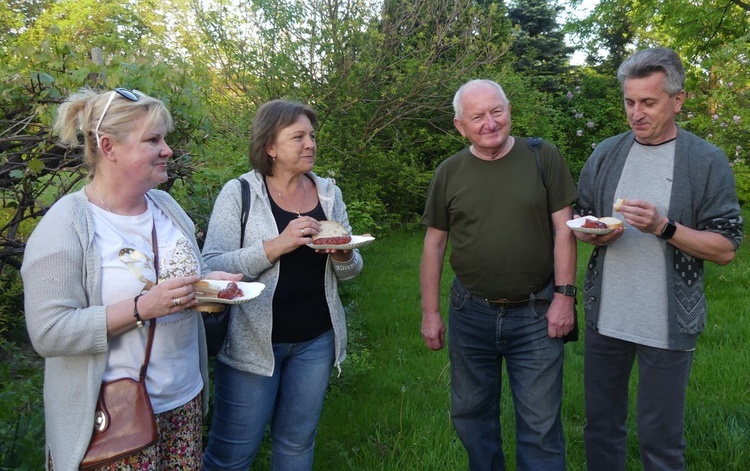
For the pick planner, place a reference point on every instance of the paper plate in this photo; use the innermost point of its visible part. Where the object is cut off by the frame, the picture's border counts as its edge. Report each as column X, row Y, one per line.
column 249, row 291
column 577, row 226
column 357, row 242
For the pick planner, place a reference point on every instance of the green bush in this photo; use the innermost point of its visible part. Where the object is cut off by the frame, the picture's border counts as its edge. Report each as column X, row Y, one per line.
column 12, row 323
column 22, row 413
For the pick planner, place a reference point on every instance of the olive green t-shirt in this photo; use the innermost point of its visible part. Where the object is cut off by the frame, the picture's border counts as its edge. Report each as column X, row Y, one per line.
column 496, row 216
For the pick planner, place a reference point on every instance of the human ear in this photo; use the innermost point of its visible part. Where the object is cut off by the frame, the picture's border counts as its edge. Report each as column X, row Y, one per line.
column 459, row 126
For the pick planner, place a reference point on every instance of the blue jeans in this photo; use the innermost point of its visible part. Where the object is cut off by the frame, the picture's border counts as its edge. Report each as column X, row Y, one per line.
column 291, row 399
column 662, row 388
column 480, row 336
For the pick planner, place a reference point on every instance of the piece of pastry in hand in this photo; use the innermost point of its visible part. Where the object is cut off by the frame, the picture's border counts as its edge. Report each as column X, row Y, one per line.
column 618, row 204
column 331, row 233
column 230, row 291
column 205, row 287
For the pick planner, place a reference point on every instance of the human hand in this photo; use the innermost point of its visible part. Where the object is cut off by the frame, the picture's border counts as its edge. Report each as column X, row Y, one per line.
column 643, row 216
column 433, row 330
column 336, row 254
column 167, row 297
column 560, row 316
column 299, row 232
column 600, row 240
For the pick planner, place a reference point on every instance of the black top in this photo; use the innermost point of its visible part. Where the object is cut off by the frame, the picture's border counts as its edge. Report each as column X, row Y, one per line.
column 300, row 310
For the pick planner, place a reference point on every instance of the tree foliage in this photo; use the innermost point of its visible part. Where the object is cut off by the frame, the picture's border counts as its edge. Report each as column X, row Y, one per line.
column 377, row 77
column 539, row 43
column 34, row 170
column 712, row 38
column 381, row 76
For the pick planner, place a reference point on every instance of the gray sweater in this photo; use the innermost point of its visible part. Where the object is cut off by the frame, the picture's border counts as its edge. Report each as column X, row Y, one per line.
column 67, row 322
column 703, row 198
column 248, row 344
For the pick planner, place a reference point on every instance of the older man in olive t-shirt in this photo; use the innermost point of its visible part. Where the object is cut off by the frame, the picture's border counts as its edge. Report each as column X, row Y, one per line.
column 513, row 296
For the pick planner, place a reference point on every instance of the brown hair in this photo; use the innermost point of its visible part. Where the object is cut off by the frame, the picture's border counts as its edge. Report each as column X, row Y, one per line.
column 82, row 110
column 272, row 117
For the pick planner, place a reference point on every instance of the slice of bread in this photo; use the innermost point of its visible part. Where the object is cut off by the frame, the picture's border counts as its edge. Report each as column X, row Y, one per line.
column 330, row 229
column 205, row 287
column 618, row 204
column 612, row 222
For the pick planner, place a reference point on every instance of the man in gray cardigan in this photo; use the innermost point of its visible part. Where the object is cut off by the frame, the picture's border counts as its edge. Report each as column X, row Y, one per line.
column 680, row 209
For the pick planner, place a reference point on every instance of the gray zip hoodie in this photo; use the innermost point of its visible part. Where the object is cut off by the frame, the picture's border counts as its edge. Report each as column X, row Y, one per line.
column 248, row 344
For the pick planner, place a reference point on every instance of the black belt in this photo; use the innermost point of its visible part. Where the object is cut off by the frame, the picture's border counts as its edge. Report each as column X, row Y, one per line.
column 508, row 302
column 517, row 302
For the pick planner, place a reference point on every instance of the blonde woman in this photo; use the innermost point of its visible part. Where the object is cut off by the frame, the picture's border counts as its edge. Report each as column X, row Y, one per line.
column 89, row 308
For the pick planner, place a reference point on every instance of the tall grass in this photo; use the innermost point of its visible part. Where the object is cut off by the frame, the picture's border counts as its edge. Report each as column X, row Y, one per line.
column 391, row 411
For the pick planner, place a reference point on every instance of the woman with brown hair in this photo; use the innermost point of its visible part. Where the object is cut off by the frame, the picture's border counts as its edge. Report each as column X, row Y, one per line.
column 281, row 348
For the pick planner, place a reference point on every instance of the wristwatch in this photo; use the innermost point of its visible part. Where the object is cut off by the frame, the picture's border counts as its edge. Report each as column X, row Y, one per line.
column 567, row 290
column 668, row 230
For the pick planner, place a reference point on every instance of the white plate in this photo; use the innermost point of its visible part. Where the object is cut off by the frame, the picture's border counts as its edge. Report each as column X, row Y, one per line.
column 577, row 226
column 249, row 291
column 357, row 242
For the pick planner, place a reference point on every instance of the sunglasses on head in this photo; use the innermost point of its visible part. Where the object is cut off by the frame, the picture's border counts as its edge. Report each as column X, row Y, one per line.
column 131, row 95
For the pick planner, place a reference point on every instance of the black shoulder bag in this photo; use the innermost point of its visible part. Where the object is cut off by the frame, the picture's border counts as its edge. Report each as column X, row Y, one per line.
column 217, row 323
column 535, row 143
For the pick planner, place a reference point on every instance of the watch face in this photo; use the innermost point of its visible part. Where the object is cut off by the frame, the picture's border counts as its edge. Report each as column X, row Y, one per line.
column 668, row 231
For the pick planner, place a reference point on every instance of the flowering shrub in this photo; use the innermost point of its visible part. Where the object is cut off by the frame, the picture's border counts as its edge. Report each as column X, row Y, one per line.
column 720, row 113
column 591, row 111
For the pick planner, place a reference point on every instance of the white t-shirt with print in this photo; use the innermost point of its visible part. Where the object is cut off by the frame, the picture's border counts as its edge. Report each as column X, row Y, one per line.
column 174, row 376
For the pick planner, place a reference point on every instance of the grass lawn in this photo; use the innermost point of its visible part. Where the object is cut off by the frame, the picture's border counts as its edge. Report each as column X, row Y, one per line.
column 389, row 409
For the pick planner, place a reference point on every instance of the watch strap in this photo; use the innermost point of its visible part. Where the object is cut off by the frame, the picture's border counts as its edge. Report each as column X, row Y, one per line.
column 567, row 290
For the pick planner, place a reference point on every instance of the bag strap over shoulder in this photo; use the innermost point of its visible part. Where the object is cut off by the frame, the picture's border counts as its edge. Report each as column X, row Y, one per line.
column 245, row 208
column 535, row 143
column 152, row 324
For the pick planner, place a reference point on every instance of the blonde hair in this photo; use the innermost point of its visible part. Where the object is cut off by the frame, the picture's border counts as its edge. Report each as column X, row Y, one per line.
column 79, row 114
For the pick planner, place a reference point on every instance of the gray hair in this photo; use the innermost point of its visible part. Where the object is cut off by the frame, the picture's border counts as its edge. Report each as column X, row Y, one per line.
column 458, row 106
column 644, row 63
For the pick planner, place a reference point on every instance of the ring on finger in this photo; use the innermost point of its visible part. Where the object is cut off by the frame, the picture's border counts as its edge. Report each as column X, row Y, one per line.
column 176, row 301
column 303, row 231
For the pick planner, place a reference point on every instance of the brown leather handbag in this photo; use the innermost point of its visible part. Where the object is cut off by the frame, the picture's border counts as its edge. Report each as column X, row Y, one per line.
column 124, row 421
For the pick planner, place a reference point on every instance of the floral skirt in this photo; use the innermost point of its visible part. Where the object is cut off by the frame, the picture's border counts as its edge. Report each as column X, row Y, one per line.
column 179, row 447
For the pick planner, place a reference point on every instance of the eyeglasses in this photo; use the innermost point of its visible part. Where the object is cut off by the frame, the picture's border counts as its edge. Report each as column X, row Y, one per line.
column 131, row 95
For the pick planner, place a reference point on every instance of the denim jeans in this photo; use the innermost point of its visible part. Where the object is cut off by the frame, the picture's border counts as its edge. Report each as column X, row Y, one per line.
column 480, row 336
column 662, row 388
column 291, row 399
